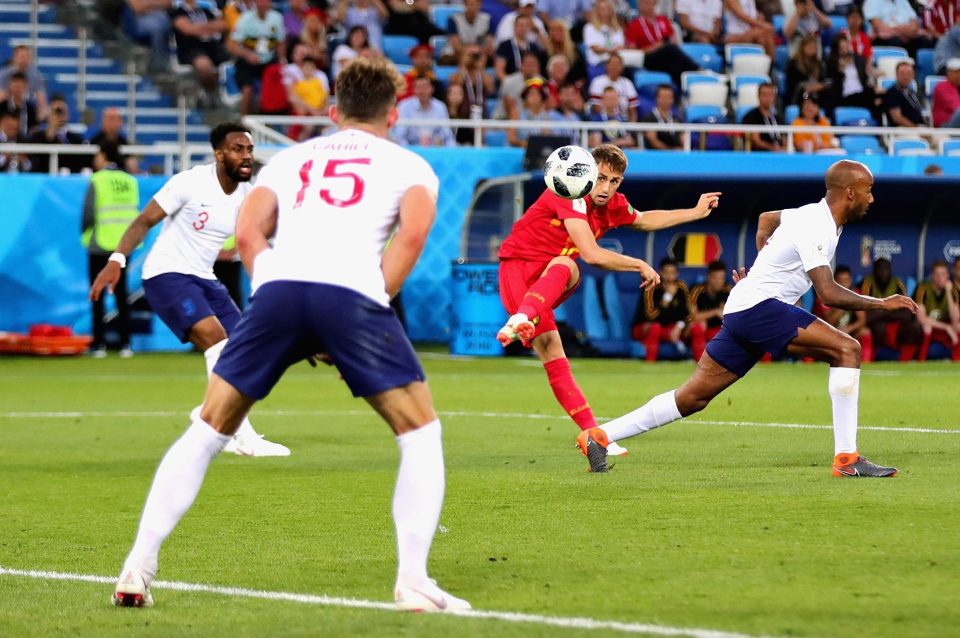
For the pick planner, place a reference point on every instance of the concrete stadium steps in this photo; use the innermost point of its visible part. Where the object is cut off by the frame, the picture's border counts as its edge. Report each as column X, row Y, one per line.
column 153, row 133
column 158, row 115
column 51, row 65
column 151, row 98
column 99, row 82
column 60, row 48
column 22, row 30
column 19, row 12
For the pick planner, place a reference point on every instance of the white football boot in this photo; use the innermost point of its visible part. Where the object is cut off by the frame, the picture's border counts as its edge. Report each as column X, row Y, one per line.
column 132, row 590
column 427, row 597
column 615, row 450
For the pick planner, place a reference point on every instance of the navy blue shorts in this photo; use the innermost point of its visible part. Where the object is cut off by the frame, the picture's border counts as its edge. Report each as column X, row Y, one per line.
column 183, row 300
column 769, row 326
column 287, row 321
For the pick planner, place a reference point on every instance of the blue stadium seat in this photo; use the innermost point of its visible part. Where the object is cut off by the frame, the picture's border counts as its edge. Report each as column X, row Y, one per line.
column 397, row 47
column 742, row 111
column 443, row 73
column 853, row 116
column 440, row 14
column 863, row 144
column 648, row 81
column 888, row 52
column 910, row 146
column 439, row 43
column 790, row 113
column 617, row 321
column 780, row 57
column 688, row 78
column 594, row 323
column 838, row 23
column 733, row 50
column 950, row 147
column 924, row 63
column 911, row 284
column 704, row 54
column 778, row 21
column 495, row 137
column 704, row 113
column 748, row 78
column 403, row 69
column 930, row 83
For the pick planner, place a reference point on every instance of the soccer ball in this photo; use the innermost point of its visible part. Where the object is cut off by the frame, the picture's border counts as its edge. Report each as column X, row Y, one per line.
column 570, row 172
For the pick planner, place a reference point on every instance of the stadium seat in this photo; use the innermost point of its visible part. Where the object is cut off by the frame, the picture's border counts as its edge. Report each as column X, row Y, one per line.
column 438, row 43
column 704, row 113
column 930, row 83
column 594, row 323
column 495, row 137
column 397, row 47
column 924, row 63
column 778, row 21
column 950, row 147
column 739, row 81
column 633, row 58
column 888, row 52
column 705, row 55
column 229, row 91
column 742, row 110
column 781, row 57
column 905, row 146
column 403, row 69
column 751, row 64
column 714, row 94
column 616, row 319
column 853, row 116
column 838, row 23
column 443, row 74
column 863, row 144
column 440, row 14
column 747, row 95
column 688, row 78
column 790, row 113
column 731, row 51
column 887, row 65
column 648, row 81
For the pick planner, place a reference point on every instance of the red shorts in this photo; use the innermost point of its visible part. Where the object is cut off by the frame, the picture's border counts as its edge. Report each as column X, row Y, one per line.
column 516, row 277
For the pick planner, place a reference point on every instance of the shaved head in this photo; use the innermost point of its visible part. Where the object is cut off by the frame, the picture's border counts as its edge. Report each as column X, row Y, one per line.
column 846, row 173
column 849, row 187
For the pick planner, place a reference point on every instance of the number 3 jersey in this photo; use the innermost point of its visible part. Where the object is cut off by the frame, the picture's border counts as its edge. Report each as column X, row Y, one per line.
column 200, row 217
column 338, row 202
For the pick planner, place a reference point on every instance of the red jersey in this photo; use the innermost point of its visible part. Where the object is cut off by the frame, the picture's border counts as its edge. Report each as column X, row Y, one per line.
column 643, row 33
column 540, row 234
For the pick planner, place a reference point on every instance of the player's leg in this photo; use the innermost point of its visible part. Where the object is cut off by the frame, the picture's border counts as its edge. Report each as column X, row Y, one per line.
column 98, row 348
column 121, row 298
column 698, row 339
column 865, row 337
column 823, row 342
column 527, row 301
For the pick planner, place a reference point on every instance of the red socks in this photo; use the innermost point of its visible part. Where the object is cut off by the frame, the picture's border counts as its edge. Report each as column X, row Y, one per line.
column 866, row 346
column 546, row 291
column 568, row 393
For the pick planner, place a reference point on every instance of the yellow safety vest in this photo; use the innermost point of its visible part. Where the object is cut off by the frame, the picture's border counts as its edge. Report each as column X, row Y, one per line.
column 116, row 198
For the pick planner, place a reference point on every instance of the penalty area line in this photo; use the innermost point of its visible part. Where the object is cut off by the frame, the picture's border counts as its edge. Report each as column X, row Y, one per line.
column 566, row 622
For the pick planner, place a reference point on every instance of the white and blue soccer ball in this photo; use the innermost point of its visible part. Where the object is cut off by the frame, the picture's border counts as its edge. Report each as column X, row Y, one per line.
column 570, row 172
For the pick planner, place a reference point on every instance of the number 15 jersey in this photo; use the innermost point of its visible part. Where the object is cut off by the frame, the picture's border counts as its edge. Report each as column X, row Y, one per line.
column 338, row 202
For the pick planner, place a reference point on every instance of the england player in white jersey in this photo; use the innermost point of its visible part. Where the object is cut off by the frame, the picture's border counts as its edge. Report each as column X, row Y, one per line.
column 324, row 287
column 198, row 208
column 796, row 248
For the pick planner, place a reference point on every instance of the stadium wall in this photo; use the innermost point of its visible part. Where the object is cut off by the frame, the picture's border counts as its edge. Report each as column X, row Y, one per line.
column 43, row 276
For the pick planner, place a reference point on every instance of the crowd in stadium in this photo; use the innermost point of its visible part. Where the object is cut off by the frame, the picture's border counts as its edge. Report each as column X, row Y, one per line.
column 688, row 317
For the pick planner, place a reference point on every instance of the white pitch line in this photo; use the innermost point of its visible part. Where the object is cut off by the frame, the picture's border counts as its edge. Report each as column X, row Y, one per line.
column 566, row 622
column 458, row 413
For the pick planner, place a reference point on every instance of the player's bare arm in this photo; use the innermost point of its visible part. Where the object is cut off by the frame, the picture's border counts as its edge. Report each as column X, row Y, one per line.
column 659, row 219
column 256, row 224
column 132, row 237
column 418, row 209
column 836, row 296
column 582, row 236
column 766, row 225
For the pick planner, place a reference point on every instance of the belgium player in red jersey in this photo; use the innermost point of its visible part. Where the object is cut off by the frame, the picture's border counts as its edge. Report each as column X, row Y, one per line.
column 538, row 267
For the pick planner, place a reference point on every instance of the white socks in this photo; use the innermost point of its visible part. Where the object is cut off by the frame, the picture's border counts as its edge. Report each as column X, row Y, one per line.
column 844, row 386
column 211, row 355
column 175, row 486
column 659, row 410
column 417, row 500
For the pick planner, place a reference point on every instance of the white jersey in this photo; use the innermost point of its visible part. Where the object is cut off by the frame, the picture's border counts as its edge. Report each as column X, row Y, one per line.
column 338, row 201
column 200, row 217
column 806, row 238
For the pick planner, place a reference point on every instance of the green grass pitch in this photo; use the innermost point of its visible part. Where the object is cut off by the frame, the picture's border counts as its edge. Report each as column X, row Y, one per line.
column 728, row 521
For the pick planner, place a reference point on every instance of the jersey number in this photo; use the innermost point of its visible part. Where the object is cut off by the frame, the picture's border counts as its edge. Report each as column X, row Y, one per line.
column 201, row 220
column 334, row 169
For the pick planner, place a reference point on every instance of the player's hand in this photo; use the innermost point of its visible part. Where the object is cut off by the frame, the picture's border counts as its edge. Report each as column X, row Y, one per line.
column 650, row 277
column 952, row 334
column 708, row 201
column 739, row 274
column 899, row 302
column 106, row 278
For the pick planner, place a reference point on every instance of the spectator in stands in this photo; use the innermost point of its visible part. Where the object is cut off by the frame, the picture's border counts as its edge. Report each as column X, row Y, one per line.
column 511, row 51
column 901, row 102
column 945, row 101
column 357, row 40
column 662, row 113
column 18, row 101
column 852, row 322
column 810, row 115
column 627, row 92
column 10, row 134
column 653, row 34
column 293, row 16
column 806, row 73
column 701, row 20
column 706, row 308
column 806, row 20
column 411, row 18
column 471, row 28
column 939, row 311
column 110, row 136
column 947, row 47
column 895, row 23
column 611, row 115
column 458, row 108
column 745, row 24
column 569, row 109
column 558, row 70
column 257, row 41
column 56, row 132
column 423, row 106
column 22, row 62
column 151, row 19
column 472, row 75
column 572, row 12
column 662, row 312
column 857, row 38
column 602, row 37
column 533, row 109
column 422, row 57
column 233, row 10
column 849, row 80
column 765, row 114
column 538, row 30
column 313, row 34
column 956, row 273
column 369, row 14
column 199, row 36
column 939, row 16
column 898, row 329
column 308, row 89
column 513, row 85
column 559, row 42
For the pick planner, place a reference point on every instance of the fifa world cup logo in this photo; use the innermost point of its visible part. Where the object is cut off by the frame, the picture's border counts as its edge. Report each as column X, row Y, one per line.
column 866, row 245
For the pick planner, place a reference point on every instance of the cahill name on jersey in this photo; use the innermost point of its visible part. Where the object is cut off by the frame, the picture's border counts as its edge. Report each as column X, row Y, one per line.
column 540, row 235
column 339, row 201
column 200, row 217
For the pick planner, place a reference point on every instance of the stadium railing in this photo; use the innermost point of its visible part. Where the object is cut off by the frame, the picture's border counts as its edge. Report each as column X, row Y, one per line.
column 175, row 156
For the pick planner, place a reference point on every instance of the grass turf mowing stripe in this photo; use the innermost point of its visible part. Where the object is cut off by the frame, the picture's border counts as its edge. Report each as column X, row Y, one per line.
column 459, row 413
column 572, row 622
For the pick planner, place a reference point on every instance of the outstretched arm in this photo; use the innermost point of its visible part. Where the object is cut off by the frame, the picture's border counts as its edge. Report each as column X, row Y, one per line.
column 136, row 231
column 582, row 236
column 767, row 223
column 659, row 219
column 836, row 296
